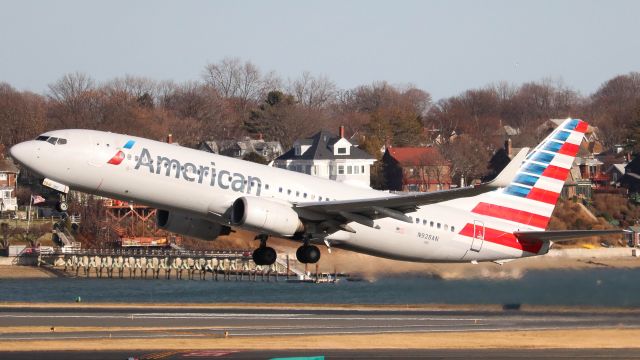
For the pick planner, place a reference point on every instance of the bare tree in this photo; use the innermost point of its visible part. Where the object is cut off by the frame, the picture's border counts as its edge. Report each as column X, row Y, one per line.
column 313, row 92
column 242, row 81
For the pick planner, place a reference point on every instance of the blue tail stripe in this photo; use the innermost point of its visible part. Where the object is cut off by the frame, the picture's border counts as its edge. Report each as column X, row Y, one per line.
column 571, row 125
column 129, row 144
column 542, row 157
column 525, row 179
column 517, row 190
column 561, row 135
column 534, row 168
column 552, row 146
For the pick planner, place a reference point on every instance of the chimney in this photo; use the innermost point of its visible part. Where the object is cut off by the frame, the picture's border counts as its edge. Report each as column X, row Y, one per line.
column 341, row 131
column 507, row 147
column 169, row 139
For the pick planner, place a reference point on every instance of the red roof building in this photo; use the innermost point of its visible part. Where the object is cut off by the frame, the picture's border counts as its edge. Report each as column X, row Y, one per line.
column 416, row 169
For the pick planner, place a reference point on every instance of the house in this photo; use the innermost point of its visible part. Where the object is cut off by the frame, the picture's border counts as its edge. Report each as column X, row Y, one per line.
column 8, row 185
column 329, row 156
column 500, row 159
column 631, row 177
column 416, row 169
column 240, row 148
column 615, row 173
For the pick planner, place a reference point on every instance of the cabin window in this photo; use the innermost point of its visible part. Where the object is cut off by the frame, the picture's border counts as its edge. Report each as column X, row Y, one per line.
column 266, row 186
column 431, row 224
column 280, row 190
column 305, row 195
column 424, row 222
column 297, row 193
column 417, row 221
column 320, row 198
column 446, row 227
column 439, row 225
column 452, row 229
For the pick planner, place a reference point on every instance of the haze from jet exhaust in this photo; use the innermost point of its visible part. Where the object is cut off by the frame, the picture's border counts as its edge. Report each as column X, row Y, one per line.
column 443, row 47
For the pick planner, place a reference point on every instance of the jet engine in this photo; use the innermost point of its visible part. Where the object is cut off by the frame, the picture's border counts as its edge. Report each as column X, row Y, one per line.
column 188, row 225
column 266, row 216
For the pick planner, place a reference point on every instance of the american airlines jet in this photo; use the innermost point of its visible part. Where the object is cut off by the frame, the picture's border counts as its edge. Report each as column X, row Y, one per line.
column 205, row 195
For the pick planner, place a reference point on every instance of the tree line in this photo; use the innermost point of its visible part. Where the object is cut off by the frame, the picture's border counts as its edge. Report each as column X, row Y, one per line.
column 234, row 98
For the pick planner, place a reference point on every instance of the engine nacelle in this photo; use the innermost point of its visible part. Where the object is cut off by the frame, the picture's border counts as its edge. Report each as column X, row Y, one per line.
column 266, row 216
column 188, row 225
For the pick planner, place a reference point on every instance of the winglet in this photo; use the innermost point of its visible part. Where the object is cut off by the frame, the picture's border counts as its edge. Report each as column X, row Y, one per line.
column 507, row 174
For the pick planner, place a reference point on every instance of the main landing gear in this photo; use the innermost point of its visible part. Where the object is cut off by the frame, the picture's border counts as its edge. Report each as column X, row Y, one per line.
column 264, row 255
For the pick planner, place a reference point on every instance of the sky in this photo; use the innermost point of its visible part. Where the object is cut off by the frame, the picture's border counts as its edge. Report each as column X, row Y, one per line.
column 442, row 47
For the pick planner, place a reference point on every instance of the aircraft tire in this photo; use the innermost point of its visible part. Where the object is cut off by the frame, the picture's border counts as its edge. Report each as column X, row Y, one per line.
column 308, row 254
column 264, row 256
column 62, row 206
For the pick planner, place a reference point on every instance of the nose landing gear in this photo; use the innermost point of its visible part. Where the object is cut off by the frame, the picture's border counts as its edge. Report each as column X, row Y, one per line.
column 264, row 255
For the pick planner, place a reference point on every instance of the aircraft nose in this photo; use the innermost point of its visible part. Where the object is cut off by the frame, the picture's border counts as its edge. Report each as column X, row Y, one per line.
column 22, row 152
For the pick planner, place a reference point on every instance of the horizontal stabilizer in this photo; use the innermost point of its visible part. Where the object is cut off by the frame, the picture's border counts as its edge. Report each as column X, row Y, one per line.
column 563, row 235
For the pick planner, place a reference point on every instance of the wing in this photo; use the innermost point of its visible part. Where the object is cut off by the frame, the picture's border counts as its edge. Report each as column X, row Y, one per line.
column 395, row 206
column 563, row 235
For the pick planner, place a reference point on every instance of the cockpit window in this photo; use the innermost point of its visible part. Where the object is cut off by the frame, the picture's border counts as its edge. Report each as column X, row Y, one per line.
column 52, row 140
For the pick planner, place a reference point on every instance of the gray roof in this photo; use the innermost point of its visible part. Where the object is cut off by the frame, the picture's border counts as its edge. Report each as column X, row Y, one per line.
column 320, row 149
column 8, row 166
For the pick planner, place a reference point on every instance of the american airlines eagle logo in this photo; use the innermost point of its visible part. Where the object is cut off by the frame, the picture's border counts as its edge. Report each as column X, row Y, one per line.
column 119, row 156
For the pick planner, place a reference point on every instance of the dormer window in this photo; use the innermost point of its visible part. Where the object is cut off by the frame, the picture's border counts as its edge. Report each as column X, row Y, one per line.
column 342, row 150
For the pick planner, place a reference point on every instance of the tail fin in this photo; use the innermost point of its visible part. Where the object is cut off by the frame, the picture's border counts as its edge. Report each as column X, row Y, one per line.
column 532, row 195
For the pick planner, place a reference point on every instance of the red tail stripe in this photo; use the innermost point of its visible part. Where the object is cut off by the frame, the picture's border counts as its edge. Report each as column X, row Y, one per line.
column 582, row 127
column 519, row 216
column 556, row 172
column 569, row 149
column 504, row 238
column 547, row 196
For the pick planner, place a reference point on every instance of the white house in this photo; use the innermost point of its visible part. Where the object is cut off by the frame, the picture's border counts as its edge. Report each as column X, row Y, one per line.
column 329, row 156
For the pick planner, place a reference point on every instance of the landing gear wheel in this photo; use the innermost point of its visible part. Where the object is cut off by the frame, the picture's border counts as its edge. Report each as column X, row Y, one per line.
column 264, row 256
column 62, row 206
column 308, row 254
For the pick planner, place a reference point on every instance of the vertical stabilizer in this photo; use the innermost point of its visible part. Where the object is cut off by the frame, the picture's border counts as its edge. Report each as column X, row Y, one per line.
column 532, row 195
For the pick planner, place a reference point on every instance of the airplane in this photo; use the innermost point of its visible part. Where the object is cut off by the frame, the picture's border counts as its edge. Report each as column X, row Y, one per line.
column 205, row 195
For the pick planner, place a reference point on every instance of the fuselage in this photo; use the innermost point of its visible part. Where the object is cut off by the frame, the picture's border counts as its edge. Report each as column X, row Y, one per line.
column 176, row 178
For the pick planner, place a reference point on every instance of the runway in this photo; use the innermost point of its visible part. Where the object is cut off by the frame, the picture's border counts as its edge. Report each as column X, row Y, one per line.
column 178, row 322
column 180, row 332
column 598, row 354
